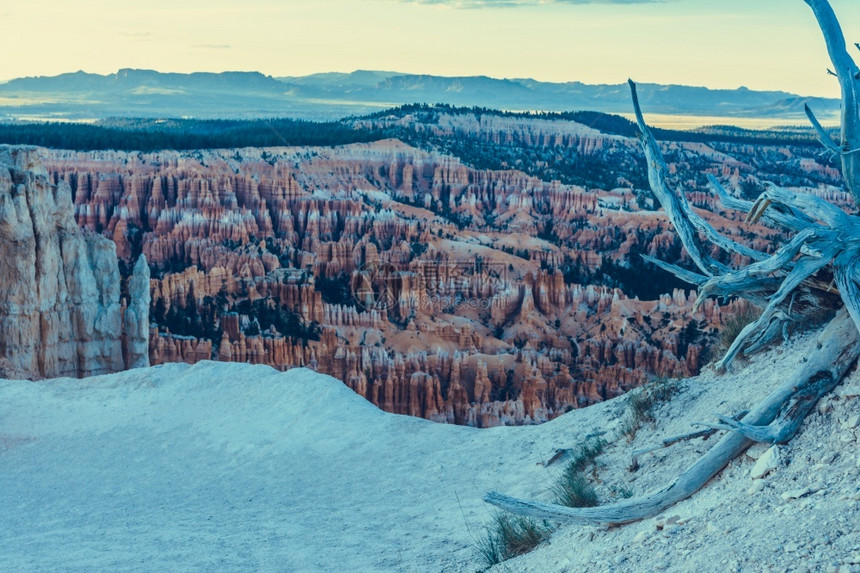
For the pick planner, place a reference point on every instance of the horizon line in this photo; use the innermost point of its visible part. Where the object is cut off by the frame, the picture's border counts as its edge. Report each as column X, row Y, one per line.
column 403, row 74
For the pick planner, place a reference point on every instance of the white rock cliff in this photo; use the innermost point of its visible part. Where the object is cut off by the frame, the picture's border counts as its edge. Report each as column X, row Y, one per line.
column 60, row 311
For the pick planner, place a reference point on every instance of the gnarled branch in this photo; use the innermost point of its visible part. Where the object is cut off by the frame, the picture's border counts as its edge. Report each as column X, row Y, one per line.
column 676, row 209
column 813, row 207
column 849, row 83
column 683, row 274
column 790, row 219
column 822, row 134
column 839, row 347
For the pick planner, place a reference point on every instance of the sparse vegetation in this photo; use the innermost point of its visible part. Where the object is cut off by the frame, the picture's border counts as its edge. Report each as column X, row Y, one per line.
column 585, row 454
column 510, row 535
column 573, row 488
column 734, row 324
column 622, row 492
column 642, row 402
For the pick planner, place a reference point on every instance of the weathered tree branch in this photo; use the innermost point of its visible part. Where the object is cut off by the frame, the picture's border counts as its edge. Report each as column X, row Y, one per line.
column 666, row 442
column 716, row 238
column 683, row 274
column 849, row 83
column 790, row 219
column 813, row 207
column 823, row 136
column 757, row 282
column 755, row 335
column 839, row 347
column 783, row 428
column 847, row 277
column 676, row 209
column 826, row 237
column 750, row 276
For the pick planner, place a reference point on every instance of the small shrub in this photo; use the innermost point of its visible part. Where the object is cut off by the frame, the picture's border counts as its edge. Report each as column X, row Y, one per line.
column 622, row 492
column 641, row 404
column 662, row 389
column 734, row 324
column 573, row 489
column 511, row 535
column 628, row 427
column 585, row 454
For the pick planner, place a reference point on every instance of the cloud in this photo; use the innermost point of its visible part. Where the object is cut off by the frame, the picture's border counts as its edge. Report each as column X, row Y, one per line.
column 136, row 35
column 513, row 3
column 214, row 46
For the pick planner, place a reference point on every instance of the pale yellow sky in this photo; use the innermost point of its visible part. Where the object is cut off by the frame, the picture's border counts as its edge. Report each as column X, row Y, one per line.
column 762, row 44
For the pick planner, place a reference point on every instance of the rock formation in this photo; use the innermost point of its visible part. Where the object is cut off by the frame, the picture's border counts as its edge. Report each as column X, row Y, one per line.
column 431, row 288
column 136, row 317
column 60, row 312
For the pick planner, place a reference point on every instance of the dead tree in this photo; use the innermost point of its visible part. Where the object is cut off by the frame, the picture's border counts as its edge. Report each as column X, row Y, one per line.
column 789, row 286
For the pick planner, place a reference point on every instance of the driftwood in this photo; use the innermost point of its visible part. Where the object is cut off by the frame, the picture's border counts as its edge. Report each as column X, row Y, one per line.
column 838, row 351
column 790, row 286
column 665, row 443
column 671, row 440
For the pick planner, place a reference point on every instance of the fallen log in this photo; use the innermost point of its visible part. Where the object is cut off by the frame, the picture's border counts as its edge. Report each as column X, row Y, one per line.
column 838, row 349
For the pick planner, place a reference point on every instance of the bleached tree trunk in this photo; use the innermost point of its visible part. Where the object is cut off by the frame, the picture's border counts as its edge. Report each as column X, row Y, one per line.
column 786, row 284
column 849, row 83
column 838, row 351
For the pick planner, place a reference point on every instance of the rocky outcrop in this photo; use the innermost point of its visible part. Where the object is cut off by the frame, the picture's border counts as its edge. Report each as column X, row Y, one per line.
column 135, row 333
column 60, row 308
column 501, row 130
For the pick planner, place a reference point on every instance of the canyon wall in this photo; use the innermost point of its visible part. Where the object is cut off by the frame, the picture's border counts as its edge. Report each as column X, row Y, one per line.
column 61, row 312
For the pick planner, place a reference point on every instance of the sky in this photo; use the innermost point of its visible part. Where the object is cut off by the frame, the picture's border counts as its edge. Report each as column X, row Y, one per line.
column 760, row 44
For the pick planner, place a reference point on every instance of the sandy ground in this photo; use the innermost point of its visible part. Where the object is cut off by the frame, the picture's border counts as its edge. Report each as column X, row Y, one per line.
column 236, row 467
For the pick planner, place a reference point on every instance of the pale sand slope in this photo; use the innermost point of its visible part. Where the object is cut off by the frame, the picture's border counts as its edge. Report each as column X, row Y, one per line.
column 236, row 467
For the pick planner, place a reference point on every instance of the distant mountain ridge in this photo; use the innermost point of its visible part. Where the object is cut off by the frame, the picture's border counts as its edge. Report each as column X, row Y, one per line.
column 148, row 93
column 132, row 78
